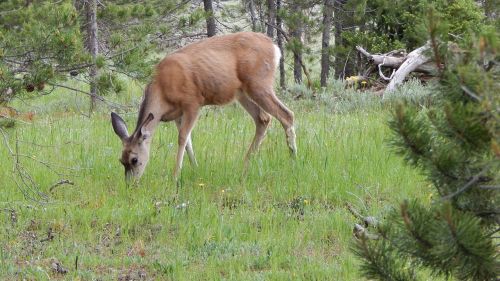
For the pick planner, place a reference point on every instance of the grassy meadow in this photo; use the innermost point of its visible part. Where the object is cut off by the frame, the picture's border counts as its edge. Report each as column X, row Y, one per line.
column 284, row 219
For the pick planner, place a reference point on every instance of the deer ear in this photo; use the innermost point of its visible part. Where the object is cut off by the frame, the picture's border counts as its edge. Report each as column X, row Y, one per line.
column 119, row 126
column 145, row 131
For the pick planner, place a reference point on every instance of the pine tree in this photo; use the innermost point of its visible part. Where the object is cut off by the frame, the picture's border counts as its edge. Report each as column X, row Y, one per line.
column 271, row 17
column 279, row 41
column 382, row 26
column 325, row 41
column 341, row 54
column 46, row 42
column 90, row 8
column 37, row 44
column 250, row 7
column 456, row 143
column 299, row 17
column 210, row 19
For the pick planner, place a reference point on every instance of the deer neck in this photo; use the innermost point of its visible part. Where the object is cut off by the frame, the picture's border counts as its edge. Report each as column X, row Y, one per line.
column 149, row 104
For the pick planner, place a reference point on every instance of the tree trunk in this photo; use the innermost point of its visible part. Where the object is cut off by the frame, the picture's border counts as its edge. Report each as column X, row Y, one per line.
column 490, row 8
column 339, row 62
column 325, row 42
column 211, row 27
column 297, row 58
column 271, row 17
column 92, row 46
column 262, row 21
column 253, row 17
column 296, row 34
column 279, row 23
column 79, row 6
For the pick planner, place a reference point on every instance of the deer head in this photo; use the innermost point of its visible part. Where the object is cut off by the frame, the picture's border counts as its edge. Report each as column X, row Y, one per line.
column 135, row 152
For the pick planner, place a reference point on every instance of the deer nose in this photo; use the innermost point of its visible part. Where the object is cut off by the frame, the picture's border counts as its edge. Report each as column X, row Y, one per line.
column 129, row 177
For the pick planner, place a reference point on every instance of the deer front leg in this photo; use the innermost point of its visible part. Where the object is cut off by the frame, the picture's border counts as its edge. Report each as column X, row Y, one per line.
column 187, row 123
column 189, row 145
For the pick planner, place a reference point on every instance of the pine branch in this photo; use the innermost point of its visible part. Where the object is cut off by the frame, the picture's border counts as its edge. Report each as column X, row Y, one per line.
column 400, row 126
column 411, row 229
column 475, row 255
column 468, row 185
column 381, row 262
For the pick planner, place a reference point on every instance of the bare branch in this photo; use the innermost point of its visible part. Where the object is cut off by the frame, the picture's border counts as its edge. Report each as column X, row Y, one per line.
column 470, row 93
column 100, row 98
column 382, row 74
column 59, row 183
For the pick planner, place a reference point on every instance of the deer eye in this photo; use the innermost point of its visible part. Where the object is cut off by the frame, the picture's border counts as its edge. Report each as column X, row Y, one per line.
column 134, row 161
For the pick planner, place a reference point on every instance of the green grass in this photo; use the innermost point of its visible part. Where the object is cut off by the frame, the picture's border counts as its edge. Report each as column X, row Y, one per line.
column 285, row 220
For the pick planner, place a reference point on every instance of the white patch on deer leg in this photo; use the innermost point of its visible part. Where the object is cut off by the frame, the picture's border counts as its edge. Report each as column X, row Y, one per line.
column 189, row 145
column 180, row 158
column 290, row 138
column 180, row 154
column 190, row 152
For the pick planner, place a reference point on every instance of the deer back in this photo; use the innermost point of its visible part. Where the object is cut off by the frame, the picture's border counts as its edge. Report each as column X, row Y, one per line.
column 213, row 70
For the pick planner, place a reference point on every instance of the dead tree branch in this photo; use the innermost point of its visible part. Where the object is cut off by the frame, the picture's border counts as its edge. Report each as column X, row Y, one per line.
column 395, row 59
column 401, row 63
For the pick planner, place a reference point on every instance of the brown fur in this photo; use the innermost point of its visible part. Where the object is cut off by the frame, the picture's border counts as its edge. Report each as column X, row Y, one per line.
column 214, row 71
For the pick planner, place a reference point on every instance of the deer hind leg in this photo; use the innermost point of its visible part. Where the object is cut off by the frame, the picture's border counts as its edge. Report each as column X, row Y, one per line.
column 261, row 119
column 189, row 145
column 267, row 100
column 187, row 123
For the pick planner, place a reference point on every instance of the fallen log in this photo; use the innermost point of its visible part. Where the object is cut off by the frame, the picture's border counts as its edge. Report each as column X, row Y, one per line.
column 395, row 59
column 401, row 63
column 415, row 59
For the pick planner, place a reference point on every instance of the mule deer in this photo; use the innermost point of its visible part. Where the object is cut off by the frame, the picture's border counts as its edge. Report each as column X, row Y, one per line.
column 213, row 71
